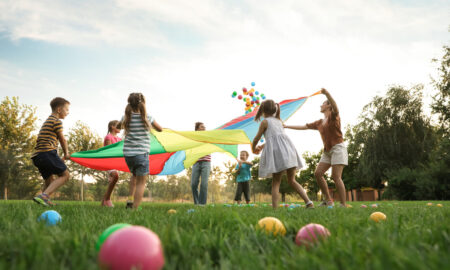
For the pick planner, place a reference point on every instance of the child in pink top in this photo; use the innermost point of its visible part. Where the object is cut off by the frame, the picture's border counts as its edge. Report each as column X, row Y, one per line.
column 113, row 175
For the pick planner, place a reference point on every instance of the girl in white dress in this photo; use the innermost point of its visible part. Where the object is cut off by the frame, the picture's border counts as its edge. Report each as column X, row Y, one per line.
column 278, row 153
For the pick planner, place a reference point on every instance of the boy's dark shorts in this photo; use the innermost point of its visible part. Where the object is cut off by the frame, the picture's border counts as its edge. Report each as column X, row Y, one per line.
column 49, row 163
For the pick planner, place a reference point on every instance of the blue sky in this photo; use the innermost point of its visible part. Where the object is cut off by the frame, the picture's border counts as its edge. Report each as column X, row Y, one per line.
column 188, row 56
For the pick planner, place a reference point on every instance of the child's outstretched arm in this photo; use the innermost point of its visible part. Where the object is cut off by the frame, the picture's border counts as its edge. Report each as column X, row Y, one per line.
column 64, row 146
column 303, row 127
column 331, row 100
column 261, row 130
column 156, row 126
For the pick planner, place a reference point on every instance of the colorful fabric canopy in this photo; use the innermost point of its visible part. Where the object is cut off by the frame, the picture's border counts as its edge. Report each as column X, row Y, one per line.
column 173, row 151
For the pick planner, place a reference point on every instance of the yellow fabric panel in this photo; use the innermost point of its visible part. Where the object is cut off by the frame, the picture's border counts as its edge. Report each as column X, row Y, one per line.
column 182, row 140
column 192, row 155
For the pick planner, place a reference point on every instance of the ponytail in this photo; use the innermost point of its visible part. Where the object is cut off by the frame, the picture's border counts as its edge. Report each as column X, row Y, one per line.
column 136, row 102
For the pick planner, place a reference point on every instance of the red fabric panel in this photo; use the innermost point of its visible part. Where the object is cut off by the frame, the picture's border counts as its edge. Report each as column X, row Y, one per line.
column 157, row 162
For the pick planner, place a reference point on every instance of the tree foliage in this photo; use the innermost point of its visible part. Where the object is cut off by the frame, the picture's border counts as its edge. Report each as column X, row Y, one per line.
column 392, row 133
column 82, row 138
column 17, row 142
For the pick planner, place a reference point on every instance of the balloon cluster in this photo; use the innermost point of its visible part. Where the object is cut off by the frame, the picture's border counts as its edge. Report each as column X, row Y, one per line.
column 251, row 98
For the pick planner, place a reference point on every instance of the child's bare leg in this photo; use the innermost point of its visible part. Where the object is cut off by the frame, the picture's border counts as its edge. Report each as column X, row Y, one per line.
column 140, row 188
column 132, row 187
column 113, row 178
column 56, row 183
column 296, row 186
column 276, row 181
column 336, row 174
column 48, row 181
column 320, row 171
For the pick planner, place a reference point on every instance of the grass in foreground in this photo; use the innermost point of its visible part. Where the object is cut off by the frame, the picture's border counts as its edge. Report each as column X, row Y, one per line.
column 415, row 236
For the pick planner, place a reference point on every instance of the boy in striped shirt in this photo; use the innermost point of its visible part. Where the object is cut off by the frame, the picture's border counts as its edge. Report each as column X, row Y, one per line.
column 45, row 157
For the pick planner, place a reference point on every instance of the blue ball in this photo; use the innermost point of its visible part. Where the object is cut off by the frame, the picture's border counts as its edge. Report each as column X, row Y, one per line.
column 51, row 218
column 253, row 84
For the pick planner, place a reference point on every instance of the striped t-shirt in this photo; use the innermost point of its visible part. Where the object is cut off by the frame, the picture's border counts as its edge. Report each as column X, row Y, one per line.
column 47, row 139
column 137, row 140
column 205, row 158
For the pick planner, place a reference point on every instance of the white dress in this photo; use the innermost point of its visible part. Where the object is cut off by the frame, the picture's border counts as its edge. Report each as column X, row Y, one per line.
column 279, row 153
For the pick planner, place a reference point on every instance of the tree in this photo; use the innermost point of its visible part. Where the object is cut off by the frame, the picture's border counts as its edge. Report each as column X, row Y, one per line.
column 81, row 138
column 430, row 179
column 392, row 133
column 17, row 173
column 441, row 101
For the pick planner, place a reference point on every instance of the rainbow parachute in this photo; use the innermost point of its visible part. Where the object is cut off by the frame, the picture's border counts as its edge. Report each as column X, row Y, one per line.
column 173, row 151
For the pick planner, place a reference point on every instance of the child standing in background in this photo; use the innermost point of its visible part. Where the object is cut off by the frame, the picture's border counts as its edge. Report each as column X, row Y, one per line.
column 136, row 147
column 46, row 158
column 243, row 178
column 279, row 154
column 113, row 175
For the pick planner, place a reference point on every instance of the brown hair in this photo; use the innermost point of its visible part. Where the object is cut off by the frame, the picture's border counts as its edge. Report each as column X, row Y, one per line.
column 268, row 107
column 243, row 151
column 112, row 124
column 197, row 125
column 58, row 102
column 136, row 102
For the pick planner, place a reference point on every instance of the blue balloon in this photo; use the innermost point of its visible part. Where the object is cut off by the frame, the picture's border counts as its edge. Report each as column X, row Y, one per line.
column 190, row 210
column 51, row 218
column 263, row 97
column 253, row 84
column 256, row 93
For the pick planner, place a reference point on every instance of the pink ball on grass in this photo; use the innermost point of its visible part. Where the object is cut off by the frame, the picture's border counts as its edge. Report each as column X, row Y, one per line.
column 133, row 247
column 310, row 234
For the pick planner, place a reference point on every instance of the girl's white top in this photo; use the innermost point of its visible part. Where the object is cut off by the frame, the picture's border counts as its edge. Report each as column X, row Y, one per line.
column 279, row 153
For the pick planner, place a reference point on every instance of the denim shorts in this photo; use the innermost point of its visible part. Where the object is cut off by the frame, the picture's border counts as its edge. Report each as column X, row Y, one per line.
column 138, row 165
column 49, row 163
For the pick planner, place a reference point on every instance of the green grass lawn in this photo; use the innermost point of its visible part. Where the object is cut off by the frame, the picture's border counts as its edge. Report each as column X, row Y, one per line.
column 415, row 236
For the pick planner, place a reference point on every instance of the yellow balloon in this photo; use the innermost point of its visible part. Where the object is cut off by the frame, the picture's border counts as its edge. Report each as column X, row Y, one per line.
column 378, row 216
column 272, row 225
column 172, row 211
column 439, row 205
column 429, row 204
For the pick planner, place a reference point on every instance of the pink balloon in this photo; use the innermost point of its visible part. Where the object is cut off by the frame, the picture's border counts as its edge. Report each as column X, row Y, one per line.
column 311, row 233
column 240, row 97
column 132, row 247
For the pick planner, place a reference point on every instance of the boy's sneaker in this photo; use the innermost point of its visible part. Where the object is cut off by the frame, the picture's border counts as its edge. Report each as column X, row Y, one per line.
column 107, row 203
column 129, row 204
column 43, row 199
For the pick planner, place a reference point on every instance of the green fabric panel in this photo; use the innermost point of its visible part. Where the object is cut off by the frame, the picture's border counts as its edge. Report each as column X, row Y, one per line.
column 232, row 149
column 155, row 146
column 112, row 150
